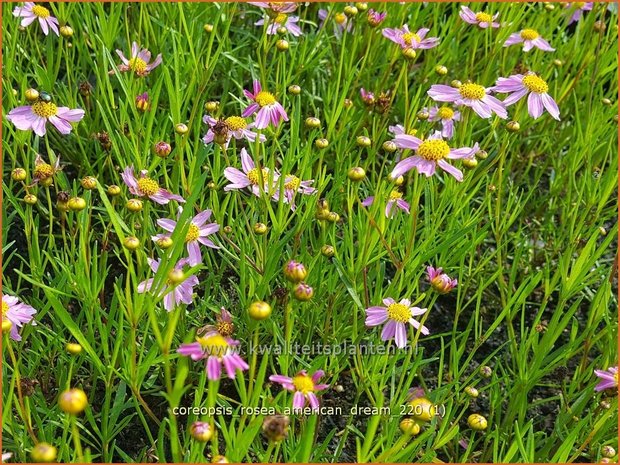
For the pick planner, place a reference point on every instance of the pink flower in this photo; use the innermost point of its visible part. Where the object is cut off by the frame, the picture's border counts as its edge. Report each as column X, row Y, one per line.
column 440, row 281
column 304, row 387
column 375, row 18
column 580, row 7
column 397, row 316
column 17, row 313
column 139, row 61
column 269, row 109
column 281, row 20
column 31, row 12
column 342, row 23
column 408, row 39
column 530, row 39
column 249, row 177
column 177, row 289
column 292, row 186
column 276, row 7
column 147, row 187
column 224, row 130
column 367, row 97
column 484, row 20
column 609, row 378
column 197, row 233
column 395, row 199
column 217, row 350
column 34, row 117
column 447, row 116
column 470, row 95
column 518, row 86
column 429, row 154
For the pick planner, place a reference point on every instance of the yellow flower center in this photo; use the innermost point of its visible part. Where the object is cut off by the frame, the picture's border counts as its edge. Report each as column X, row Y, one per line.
column 529, row 34
column 40, row 12
column 293, row 183
column 137, row 64
column 265, row 98
column 215, row 345
column 484, row 18
column 472, row 91
column 399, row 313
column 193, row 233
column 445, row 113
column 340, row 18
column 44, row 109
column 43, row 171
column 433, row 149
column 303, row 383
column 395, row 195
column 235, row 123
column 254, row 176
column 409, row 37
column 535, row 84
column 148, row 186
column 280, row 19
column 5, row 308
column 225, row 328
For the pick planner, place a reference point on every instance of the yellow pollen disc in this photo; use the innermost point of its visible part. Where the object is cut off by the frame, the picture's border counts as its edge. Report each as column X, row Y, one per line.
column 529, row 34
column 193, row 233
column 235, row 123
column 137, row 64
column 535, row 84
column 484, row 18
column 214, row 345
column 44, row 109
column 224, row 328
column 40, row 12
column 303, row 383
column 265, row 98
column 412, row 132
column 254, row 176
column 399, row 313
column 293, row 183
column 445, row 113
column 43, row 171
column 5, row 308
column 148, row 186
column 340, row 18
column 433, row 149
column 409, row 37
column 395, row 195
column 281, row 18
column 472, row 91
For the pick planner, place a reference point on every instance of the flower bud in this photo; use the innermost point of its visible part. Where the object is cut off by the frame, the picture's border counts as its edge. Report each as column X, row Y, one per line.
column 313, row 123
column 482, row 154
column 259, row 310
column 321, row 143
column 164, row 242
column 295, row 272
column 348, row 103
column 134, row 205
column 66, row 31
column 73, row 348
column 76, row 204
column 513, row 126
column 89, row 183
column 32, row 94
column 549, row 6
column 73, row 401
column 227, row 229
column 114, row 190
column 220, row 459
column 363, row 141
column 142, row 102
column 350, row 10
column 456, row 83
column 608, row 451
column 470, row 163
column 606, row 101
column 409, row 426
column 260, row 229
column 399, row 181
column 441, row 70
column 201, row 431
column 294, row 89
column 423, row 114
column 471, row 391
column 477, row 422
column 18, row 174
column 389, row 146
column 181, row 129
column 599, row 26
column 176, row 276
column 131, row 243
column 328, row 251
column 43, row 452
column 6, row 326
column 30, row 199
column 409, row 53
column 282, row 45
column 303, row 292
column 162, row 149
column 356, row 174
column 212, row 106
column 275, row 427
column 486, row 371
column 557, row 62
column 362, row 6
column 333, row 217
column 208, row 28
column 422, row 409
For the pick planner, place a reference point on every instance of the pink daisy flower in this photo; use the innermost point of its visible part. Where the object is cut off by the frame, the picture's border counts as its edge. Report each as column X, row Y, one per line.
column 375, row 18
column 304, row 387
column 484, row 20
column 580, row 7
column 177, row 288
column 530, row 39
column 397, row 316
column 518, row 86
column 17, row 313
column 395, row 199
column 408, row 39
column 139, row 61
column 197, row 233
column 609, row 378
column 147, row 187
column 367, row 97
column 429, row 154
column 218, row 351
column 276, row 7
column 224, row 130
column 341, row 22
column 440, row 281
column 35, row 117
column 249, row 177
column 281, row 20
column 292, row 186
column 470, row 95
column 268, row 108
column 30, row 12
column 447, row 116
